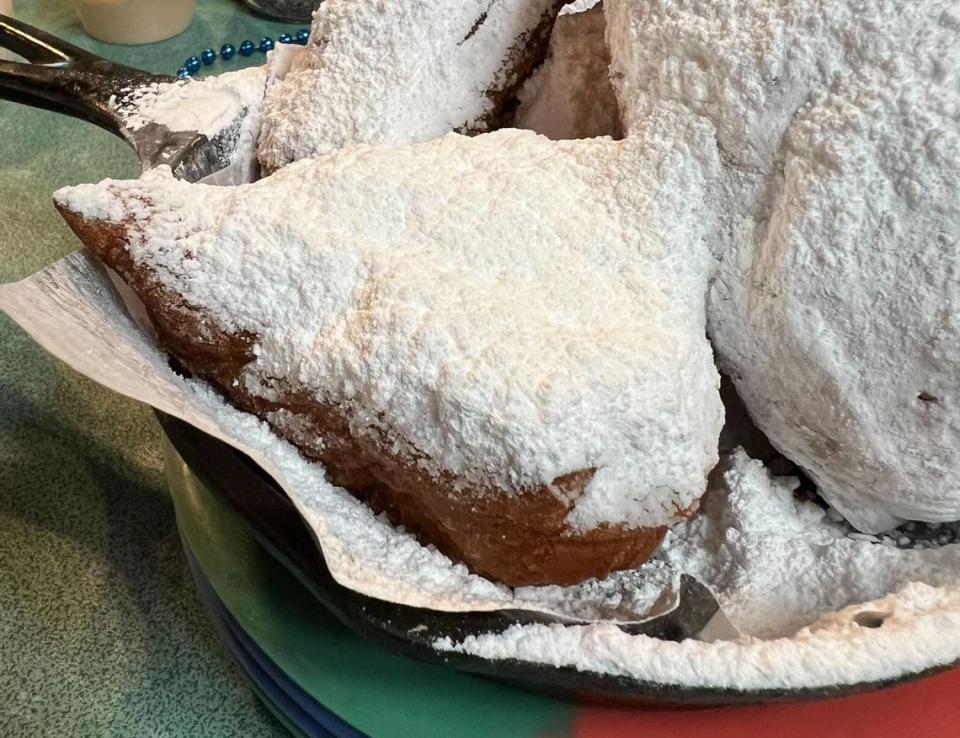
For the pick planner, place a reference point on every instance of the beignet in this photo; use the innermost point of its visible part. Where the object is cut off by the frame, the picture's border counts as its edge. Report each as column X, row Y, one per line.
column 835, row 307
column 497, row 340
column 402, row 72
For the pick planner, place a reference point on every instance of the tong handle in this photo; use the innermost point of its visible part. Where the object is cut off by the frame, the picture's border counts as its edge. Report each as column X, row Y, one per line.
column 36, row 46
column 64, row 78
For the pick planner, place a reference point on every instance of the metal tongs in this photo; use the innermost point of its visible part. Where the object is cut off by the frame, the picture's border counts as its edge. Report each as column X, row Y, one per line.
column 64, row 78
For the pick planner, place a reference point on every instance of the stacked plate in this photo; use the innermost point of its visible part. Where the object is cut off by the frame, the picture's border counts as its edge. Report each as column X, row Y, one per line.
column 322, row 679
column 318, row 677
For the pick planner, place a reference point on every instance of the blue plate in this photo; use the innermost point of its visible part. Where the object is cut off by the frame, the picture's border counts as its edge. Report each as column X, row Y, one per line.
column 296, row 709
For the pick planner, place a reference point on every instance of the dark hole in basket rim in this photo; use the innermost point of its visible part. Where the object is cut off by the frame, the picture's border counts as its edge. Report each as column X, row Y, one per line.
column 870, row 619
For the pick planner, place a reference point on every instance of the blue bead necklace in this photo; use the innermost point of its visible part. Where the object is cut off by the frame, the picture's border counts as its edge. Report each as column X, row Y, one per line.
column 208, row 56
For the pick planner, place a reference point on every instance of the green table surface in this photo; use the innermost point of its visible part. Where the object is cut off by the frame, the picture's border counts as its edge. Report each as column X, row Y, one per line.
column 101, row 632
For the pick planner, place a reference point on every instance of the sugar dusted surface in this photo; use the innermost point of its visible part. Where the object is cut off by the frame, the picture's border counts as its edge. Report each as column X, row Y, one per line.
column 835, row 307
column 207, row 106
column 852, row 306
column 73, row 311
column 226, row 109
column 395, row 72
column 368, row 554
column 921, row 630
column 507, row 308
column 749, row 65
column 777, row 565
column 579, row 6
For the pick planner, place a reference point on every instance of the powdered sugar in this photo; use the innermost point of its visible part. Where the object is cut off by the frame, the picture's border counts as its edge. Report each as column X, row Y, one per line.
column 72, row 310
column 502, row 327
column 921, row 630
column 579, row 6
column 776, row 564
column 835, row 306
column 748, row 65
column 225, row 109
column 372, row 556
column 852, row 303
column 399, row 72
column 206, row 106
column 363, row 550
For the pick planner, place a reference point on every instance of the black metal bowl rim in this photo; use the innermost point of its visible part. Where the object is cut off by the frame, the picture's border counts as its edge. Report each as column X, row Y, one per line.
column 413, row 631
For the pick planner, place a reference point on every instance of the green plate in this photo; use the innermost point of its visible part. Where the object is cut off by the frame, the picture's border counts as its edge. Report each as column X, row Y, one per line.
column 378, row 692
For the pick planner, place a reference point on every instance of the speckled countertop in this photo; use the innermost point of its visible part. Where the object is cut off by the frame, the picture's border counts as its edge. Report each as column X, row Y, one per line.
column 101, row 632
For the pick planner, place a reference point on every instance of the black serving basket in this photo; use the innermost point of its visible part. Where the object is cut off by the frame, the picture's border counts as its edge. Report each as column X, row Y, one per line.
column 411, row 631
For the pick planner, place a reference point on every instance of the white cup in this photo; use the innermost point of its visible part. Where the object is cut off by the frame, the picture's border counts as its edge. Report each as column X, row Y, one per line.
column 134, row 21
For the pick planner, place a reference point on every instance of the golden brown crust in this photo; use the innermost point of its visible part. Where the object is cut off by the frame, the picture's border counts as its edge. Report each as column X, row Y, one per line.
column 517, row 538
